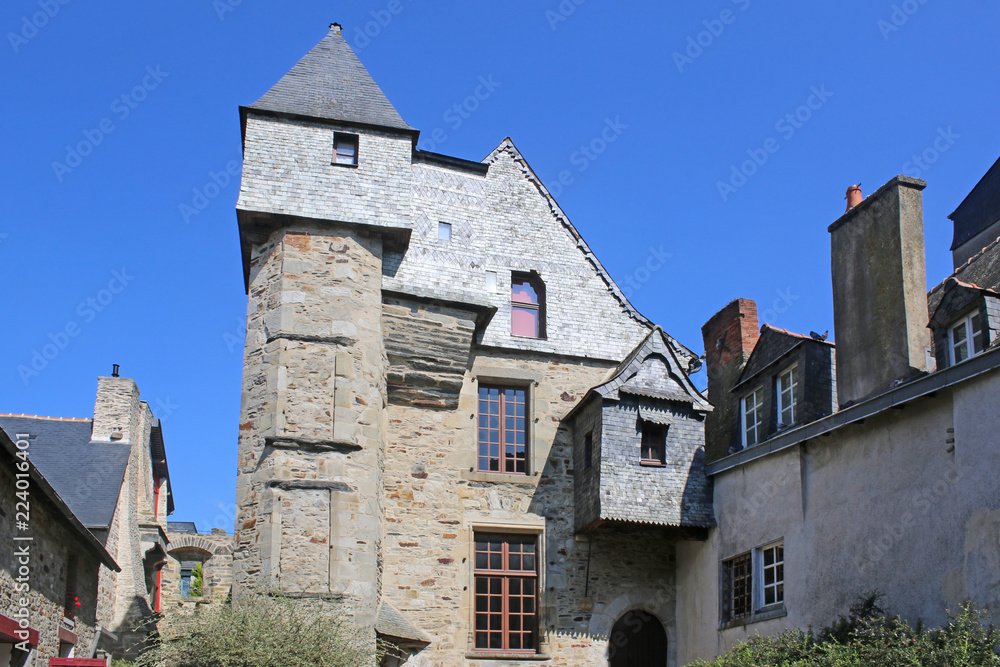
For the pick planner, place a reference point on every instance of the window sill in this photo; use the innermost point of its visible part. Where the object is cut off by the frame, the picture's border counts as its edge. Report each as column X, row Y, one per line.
column 764, row 614
column 343, row 164
column 499, row 478
column 487, row 655
column 652, row 464
column 514, row 335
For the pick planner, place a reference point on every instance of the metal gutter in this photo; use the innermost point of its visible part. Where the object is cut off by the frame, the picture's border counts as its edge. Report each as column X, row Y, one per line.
column 894, row 398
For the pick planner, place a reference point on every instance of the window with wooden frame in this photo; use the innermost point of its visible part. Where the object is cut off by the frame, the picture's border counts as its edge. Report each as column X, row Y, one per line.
column 753, row 417
column 506, row 593
column 588, row 451
column 654, row 444
column 965, row 338
column 345, row 149
column 737, row 588
column 502, row 430
column 527, row 305
column 788, row 383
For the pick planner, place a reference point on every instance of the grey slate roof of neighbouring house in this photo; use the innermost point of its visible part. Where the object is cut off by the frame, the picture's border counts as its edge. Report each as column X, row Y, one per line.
column 983, row 270
column 979, row 209
column 87, row 475
column 330, row 83
column 182, row 526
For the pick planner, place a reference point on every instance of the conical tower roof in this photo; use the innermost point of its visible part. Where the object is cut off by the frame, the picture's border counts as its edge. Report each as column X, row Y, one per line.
column 330, row 83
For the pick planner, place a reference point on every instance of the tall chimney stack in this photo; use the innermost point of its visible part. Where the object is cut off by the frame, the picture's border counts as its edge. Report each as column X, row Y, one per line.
column 730, row 337
column 880, row 290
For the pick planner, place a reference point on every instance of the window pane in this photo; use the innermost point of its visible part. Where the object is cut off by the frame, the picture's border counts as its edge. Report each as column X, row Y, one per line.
column 522, row 292
column 524, row 322
column 444, row 231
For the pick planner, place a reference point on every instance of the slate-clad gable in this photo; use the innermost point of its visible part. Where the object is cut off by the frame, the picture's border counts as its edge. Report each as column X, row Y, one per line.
column 979, row 210
column 87, row 475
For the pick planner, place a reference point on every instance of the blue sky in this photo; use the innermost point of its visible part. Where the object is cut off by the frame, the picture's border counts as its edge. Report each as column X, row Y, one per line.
column 100, row 243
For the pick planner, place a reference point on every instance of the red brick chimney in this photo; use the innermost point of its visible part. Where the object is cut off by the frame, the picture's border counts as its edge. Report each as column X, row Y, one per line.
column 730, row 336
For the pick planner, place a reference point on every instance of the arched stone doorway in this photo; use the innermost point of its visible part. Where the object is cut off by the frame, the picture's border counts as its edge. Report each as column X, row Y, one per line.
column 637, row 639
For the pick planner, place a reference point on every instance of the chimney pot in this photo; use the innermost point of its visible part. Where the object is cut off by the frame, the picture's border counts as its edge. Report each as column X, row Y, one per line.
column 114, row 371
column 336, row 27
column 854, row 196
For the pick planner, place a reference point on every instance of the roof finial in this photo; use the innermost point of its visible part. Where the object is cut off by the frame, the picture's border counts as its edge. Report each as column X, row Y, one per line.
column 336, row 27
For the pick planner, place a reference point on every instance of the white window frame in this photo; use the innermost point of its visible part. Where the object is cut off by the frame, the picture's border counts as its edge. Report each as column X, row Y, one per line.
column 759, row 584
column 792, row 405
column 758, row 397
column 972, row 323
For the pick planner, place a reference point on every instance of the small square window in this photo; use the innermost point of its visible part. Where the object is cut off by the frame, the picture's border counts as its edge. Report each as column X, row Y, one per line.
column 965, row 338
column 345, row 149
column 444, row 231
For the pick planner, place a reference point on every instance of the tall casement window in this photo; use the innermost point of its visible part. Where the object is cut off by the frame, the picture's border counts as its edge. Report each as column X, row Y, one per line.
column 502, row 434
column 527, row 305
column 753, row 418
column 788, row 383
column 506, row 577
column 345, row 149
column 588, row 451
column 772, row 575
column 192, row 578
column 966, row 338
column 754, row 583
column 654, row 444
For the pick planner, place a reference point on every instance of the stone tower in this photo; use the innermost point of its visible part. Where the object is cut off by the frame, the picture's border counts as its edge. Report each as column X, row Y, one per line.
column 313, row 415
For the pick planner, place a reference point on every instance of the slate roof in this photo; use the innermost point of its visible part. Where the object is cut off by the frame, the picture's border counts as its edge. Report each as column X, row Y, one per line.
column 773, row 344
column 9, row 457
column 983, row 270
column 980, row 209
column 182, row 527
column 87, row 475
column 330, row 83
column 391, row 623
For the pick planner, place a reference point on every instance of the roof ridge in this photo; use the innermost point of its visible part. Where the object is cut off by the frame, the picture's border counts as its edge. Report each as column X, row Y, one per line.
column 963, row 267
column 59, row 419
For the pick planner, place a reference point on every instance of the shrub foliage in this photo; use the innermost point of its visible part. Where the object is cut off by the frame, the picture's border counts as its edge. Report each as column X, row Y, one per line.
column 868, row 637
column 260, row 631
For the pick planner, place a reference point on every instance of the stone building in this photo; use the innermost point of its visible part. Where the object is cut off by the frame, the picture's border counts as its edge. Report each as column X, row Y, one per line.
column 833, row 478
column 199, row 568
column 111, row 472
column 49, row 565
column 436, row 365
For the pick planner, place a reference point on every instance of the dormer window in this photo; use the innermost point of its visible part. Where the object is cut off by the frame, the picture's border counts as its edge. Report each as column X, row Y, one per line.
column 788, row 383
column 965, row 338
column 345, row 149
column 527, row 306
column 753, row 418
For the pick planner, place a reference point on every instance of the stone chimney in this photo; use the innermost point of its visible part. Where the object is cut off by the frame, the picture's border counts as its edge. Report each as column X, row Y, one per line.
column 117, row 411
column 880, row 291
column 730, row 337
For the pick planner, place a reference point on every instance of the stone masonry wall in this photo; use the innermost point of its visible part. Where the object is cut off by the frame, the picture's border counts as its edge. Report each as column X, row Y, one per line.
column 214, row 551
column 53, row 541
column 313, row 418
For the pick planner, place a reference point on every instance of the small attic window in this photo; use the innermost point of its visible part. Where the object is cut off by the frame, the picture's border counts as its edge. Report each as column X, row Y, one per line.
column 345, row 149
column 965, row 338
column 527, row 305
column 654, row 444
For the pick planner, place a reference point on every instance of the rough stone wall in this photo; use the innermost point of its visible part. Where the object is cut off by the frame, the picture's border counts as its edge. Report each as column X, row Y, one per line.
column 678, row 494
column 53, row 541
column 313, row 419
column 214, row 550
column 587, row 483
column 502, row 222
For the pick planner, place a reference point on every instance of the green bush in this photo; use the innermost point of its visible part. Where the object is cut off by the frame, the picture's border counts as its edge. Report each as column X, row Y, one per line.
column 261, row 631
column 868, row 637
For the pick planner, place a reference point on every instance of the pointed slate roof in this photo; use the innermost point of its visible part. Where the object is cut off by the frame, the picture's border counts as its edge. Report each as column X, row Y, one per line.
column 773, row 344
column 330, row 83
